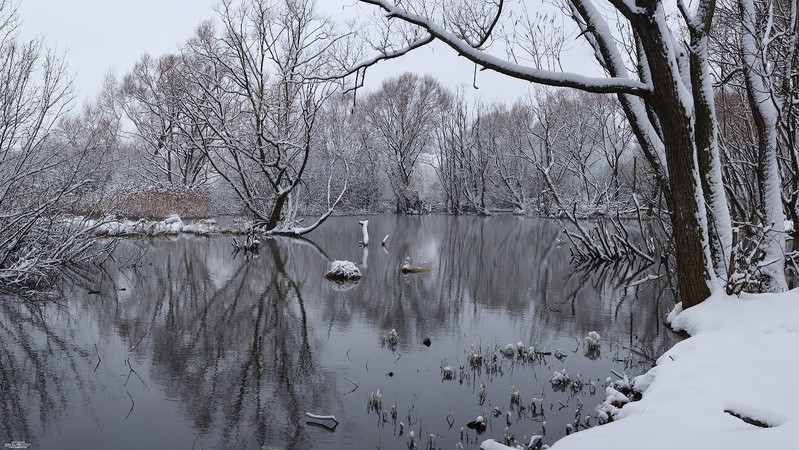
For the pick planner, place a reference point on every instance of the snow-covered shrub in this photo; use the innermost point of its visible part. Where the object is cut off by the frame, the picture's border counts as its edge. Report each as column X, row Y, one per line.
column 592, row 340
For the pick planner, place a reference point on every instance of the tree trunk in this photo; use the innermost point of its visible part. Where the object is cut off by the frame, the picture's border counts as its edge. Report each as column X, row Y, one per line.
column 708, row 158
column 676, row 119
column 277, row 211
column 765, row 117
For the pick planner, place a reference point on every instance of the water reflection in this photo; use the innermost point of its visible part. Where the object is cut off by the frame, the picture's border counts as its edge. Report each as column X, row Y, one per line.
column 177, row 343
column 35, row 361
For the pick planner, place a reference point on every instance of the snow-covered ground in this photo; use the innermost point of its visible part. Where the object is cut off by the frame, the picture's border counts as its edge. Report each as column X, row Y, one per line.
column 742, row 357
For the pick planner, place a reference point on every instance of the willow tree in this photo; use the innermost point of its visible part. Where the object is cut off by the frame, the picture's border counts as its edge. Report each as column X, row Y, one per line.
column 660, row 74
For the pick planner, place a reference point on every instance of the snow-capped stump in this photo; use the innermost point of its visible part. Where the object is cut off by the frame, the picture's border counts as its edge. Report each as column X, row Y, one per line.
column 447, row 373
column 560, row 379
column 509, row 350
column 375, row 401
column 343, row 271
column 393, row 338
column 592, row 340
column 515, row 397
column 365, row 241
column 408, row 267
column 412, row 440
column 478, row 424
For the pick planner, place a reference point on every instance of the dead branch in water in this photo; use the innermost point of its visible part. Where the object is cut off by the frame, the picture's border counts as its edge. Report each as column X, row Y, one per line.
column 353, row 389
column 132, row 404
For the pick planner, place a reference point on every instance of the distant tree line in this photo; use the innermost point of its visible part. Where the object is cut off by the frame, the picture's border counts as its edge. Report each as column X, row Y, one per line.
column 252, row 116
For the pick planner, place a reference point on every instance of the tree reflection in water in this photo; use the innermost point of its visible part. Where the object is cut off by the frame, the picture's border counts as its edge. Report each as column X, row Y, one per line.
column 217, row 351
column 236, row 350
column 39, row 363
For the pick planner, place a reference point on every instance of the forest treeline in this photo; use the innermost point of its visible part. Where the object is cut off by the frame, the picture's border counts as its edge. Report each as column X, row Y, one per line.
column 255, row 116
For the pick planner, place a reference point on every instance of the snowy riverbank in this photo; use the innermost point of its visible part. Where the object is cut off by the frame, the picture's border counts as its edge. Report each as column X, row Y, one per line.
column 171, row 226
column 742, row 357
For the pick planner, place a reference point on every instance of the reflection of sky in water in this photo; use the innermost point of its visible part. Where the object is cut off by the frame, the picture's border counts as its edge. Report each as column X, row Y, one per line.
column 213, row 351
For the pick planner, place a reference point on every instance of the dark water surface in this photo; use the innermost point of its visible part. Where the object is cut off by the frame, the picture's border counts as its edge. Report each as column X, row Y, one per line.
column 177, row 344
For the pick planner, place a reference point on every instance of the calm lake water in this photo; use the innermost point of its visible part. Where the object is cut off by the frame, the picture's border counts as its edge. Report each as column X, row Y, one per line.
column 178, row 344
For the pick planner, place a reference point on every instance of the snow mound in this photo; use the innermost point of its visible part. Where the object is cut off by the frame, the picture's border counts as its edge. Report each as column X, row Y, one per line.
column 172, row 225
column 343, row 270
column 727, row 386
column 763, row 416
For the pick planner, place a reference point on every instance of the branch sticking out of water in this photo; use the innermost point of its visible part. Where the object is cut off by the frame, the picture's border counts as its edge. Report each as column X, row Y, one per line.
column 98, row 358
column 353, row 389
column 132, row 404
column 142, row 337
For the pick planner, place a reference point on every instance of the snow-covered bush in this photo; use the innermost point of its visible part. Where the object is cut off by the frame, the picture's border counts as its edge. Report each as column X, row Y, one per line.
column 592, row 339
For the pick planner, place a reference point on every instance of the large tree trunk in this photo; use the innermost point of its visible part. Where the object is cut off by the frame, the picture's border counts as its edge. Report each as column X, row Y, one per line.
column 674, row 112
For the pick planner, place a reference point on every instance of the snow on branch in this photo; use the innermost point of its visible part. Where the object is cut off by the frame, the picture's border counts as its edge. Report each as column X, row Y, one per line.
column 487, row 61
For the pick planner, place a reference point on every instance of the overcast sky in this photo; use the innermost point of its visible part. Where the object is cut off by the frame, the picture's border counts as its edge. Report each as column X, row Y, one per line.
column 102, row 35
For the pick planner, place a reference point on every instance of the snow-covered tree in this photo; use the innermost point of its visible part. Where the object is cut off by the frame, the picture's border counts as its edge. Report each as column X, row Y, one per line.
column 153, row 97
column 467, row 138
column 257, row 88
column 37, row 175
column 338, row 139
column 401, row 118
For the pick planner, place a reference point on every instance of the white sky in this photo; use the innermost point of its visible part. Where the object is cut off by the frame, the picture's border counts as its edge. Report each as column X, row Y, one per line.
column 103, row 35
